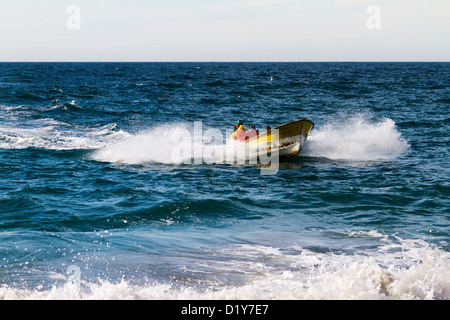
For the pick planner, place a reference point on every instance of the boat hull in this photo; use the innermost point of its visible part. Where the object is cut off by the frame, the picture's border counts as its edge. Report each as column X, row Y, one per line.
column 286, row 140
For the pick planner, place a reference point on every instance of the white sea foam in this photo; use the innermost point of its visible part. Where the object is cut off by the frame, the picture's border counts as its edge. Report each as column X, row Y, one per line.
column 154, row 145
column 357, row 139
column 176, row 143
column 395, row 272
column 50, row 134
column 351, row 139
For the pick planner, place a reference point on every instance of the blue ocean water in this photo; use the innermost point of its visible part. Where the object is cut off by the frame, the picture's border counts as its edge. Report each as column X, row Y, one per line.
column 96, row 202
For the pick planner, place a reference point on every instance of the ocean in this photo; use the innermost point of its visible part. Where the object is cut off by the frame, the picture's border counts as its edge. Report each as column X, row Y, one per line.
column 98, row 200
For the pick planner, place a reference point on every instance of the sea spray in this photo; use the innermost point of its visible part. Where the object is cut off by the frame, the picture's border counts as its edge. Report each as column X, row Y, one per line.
column 356, row 139
column 49, row 134
column 298, row 273
column 175, row 143
column 185, row 143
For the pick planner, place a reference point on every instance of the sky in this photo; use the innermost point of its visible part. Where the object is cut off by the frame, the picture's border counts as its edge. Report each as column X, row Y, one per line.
column 225, row 30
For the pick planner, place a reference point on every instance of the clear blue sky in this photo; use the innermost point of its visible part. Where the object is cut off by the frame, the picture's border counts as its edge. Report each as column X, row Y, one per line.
column 225, row 30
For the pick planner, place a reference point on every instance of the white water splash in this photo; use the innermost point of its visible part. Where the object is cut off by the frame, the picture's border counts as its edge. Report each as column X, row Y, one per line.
column 353, row 139
column 49, row 134
column 399, row 270
column 175, row 143
column 356, row 139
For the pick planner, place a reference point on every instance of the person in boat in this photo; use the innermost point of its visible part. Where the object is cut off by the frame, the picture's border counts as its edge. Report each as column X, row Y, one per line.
column 236, row 126
column 252, row 132
column 236, row 129
column 239, row 134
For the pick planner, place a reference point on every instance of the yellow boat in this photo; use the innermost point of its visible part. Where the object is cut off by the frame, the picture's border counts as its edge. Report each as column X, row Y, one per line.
column 287, row 139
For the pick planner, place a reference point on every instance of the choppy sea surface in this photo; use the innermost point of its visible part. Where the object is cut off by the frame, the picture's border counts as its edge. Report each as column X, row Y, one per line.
column 97, row 202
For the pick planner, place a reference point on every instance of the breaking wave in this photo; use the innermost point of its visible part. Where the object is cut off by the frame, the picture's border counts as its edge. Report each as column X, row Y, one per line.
column 399, row 270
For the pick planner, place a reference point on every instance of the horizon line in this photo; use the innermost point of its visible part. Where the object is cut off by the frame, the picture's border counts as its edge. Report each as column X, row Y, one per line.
column 227, row 61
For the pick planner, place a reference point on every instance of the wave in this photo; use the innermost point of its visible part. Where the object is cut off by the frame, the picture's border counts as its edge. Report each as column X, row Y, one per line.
column 68, row 106
column 50, row 134
column 398, row 270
